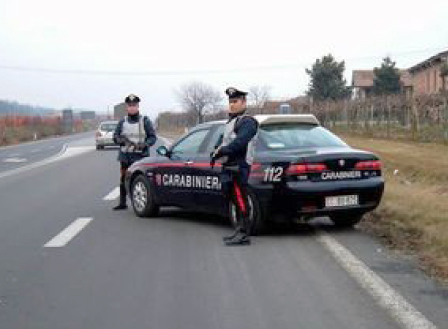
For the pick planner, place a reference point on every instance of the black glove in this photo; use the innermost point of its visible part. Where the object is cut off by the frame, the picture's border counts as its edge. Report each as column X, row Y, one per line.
column 141, row 146
column 212, row 162
column 120, row 140
column 214, row 156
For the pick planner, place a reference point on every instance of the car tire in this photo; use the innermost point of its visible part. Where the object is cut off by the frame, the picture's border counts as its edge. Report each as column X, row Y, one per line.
column 257, row 218
column 346, row 220
column 99, row 147
column 142, row 197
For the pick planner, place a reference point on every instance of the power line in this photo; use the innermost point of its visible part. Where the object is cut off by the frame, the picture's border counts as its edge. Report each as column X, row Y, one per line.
column 197, row 72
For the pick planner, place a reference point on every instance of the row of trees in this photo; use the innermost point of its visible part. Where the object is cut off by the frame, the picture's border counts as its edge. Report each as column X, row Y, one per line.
column 20, row 128
column 198, row 99
column 326, row 83
column 327, row 79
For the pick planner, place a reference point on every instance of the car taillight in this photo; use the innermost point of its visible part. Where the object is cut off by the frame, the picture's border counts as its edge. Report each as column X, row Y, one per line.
column 368, row 165
column 306, row 168
column 255, row 170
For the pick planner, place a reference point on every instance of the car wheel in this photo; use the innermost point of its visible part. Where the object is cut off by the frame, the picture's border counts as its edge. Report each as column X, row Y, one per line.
column 142, row 198
column 346, row 220
column 256, row 215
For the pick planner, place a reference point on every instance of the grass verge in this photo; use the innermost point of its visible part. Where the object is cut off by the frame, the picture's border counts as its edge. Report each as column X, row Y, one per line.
column 413, row 215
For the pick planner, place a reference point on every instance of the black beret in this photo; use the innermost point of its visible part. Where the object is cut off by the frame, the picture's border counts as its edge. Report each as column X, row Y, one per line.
column 132, row 99
column 235, row 93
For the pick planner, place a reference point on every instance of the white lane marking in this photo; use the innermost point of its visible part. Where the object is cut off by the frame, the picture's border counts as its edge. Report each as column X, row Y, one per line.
column 75, row 150
column 68, row 233
column 15, row 160
column 63, row 154
column 401, row 310
column 113, row 194
column 33, row 165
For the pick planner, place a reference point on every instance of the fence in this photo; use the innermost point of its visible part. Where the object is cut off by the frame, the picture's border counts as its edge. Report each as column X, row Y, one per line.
column 422, row 118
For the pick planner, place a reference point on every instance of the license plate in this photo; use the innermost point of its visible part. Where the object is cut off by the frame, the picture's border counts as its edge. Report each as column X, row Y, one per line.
column 341, row 201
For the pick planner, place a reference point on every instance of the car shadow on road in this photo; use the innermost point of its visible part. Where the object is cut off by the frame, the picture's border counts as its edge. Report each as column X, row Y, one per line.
column 109, row 148
column 188, row 216
column 308, row 228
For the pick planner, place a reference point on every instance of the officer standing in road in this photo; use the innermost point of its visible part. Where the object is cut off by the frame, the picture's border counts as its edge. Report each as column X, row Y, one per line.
column 135, row 135
column 236, row 149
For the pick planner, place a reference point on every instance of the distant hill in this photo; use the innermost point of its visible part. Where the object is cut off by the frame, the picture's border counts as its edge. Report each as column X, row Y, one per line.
column 8, row 108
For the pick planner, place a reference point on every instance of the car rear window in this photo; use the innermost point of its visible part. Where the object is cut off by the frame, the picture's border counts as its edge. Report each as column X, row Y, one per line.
column 293, row 135
column 108, row 126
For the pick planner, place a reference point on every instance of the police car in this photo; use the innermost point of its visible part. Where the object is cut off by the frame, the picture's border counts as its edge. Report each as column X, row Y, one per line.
column 300, row 170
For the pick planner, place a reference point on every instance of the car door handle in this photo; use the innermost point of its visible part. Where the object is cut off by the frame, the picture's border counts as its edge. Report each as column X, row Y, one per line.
column 188, row 163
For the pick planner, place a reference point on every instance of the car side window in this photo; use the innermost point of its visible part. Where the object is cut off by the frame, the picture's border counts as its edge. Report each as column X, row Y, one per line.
column 190, row 144
column 213, row 140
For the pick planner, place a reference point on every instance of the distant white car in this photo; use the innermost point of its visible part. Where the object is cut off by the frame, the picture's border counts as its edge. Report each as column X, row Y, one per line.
column 104, row 134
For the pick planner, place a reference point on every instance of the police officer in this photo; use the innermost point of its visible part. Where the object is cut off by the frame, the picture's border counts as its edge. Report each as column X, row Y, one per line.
column 236, row 149
column 135, row 135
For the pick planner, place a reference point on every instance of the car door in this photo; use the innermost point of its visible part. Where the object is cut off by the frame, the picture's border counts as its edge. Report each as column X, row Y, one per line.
column 209, row 196
column 175, row 175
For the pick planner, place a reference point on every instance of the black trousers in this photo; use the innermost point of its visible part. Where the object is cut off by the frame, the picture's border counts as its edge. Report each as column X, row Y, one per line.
column 124, row 165
column 126, row 160
column 234, row 185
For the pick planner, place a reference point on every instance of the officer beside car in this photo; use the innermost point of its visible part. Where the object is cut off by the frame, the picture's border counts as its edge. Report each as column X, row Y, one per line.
column 135, row 135
column 236, row 149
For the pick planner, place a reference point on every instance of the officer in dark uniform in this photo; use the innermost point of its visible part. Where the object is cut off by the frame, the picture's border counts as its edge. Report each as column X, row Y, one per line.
column 135, row 135
column 236, row 148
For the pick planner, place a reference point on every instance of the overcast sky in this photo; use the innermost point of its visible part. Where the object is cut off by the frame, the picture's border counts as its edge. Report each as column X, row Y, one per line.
column 91, row 54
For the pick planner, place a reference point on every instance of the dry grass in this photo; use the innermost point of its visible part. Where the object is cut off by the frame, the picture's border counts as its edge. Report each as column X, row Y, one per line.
column 413, row 215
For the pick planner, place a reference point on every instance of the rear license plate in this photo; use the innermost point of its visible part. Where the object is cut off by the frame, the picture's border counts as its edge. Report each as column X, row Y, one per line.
column 341, row 201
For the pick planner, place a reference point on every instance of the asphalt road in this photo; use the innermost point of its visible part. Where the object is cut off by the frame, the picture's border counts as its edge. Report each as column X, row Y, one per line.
column 121, row 271
column 15, row 156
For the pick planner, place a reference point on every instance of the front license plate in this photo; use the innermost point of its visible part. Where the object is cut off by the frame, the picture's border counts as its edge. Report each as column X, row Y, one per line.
column 341, row 201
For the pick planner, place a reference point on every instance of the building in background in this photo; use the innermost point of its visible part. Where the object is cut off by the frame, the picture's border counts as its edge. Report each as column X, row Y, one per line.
column 87, row 115
column 362, row 83
column 119, row 111
column 426, row 77
column 67, row 121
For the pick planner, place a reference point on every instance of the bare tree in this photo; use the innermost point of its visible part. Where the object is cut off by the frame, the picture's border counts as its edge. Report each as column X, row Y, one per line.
column 258, row 96
column 199, row 98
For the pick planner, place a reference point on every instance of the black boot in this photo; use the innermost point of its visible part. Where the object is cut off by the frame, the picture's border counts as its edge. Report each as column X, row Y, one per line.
column 239, row 240
column 234, row 234
column 122, row 205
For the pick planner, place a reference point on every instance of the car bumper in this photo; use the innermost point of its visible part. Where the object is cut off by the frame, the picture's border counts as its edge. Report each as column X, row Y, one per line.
column 308, row 198
column 105, row 142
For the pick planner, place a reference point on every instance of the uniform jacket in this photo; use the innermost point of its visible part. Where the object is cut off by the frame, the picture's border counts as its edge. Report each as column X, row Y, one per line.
column 245, row 131
column 148, row 139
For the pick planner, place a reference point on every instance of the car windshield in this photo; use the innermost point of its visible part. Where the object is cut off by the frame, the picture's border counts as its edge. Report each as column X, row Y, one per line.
column 293, row 135
column 108, row 126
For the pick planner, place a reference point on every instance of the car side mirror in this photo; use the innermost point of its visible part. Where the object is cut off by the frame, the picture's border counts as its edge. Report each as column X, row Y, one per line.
column 163, row 151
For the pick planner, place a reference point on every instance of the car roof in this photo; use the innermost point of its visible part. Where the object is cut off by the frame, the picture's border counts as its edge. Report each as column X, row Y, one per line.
column 265, row 119
column 287, row 118
column 109, row 122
